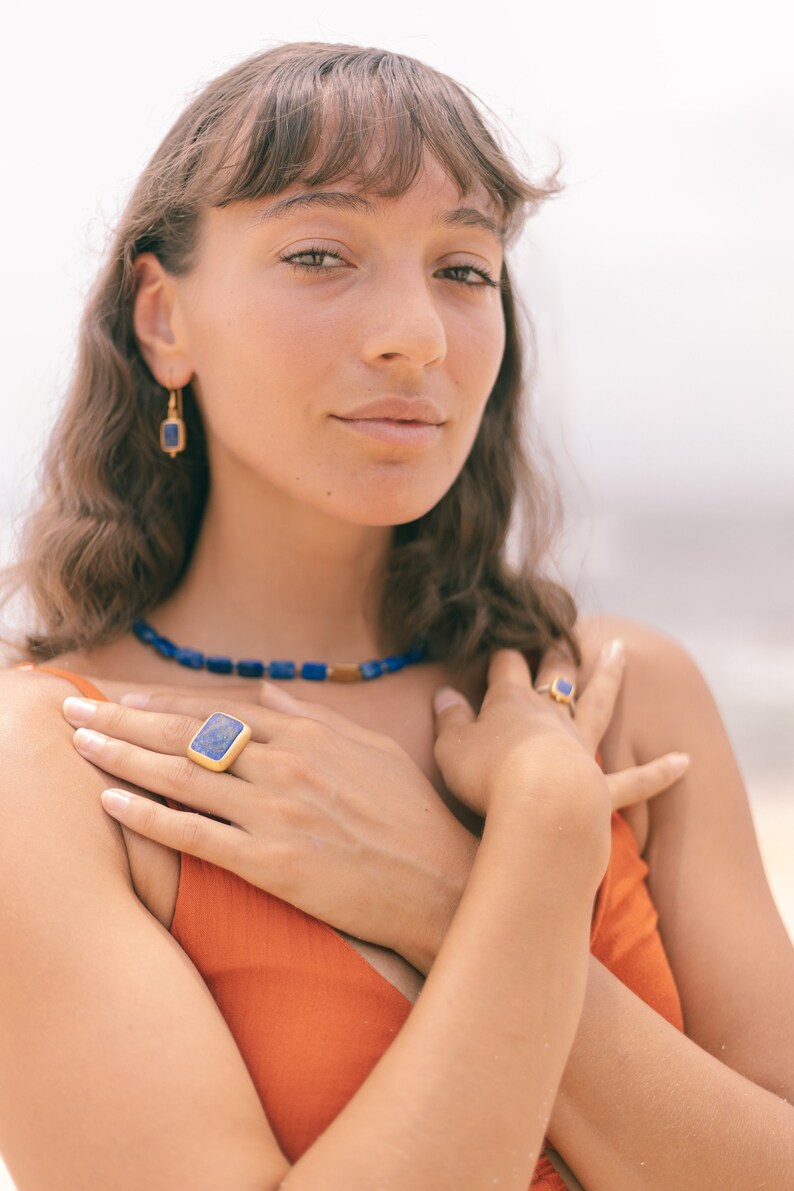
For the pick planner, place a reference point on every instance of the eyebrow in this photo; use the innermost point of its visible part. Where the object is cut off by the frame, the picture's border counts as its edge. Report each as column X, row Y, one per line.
column 345, row 200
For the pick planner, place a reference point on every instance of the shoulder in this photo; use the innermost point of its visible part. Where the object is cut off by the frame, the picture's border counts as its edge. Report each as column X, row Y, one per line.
column 664, row 705
column 662, row 685
column 646, row 647
column 50, row 793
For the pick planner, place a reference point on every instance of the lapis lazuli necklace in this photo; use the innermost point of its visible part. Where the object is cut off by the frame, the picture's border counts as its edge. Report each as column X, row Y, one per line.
column 250, row 668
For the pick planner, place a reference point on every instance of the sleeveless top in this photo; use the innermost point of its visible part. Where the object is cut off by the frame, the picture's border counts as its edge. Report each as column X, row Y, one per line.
column 311, row 1017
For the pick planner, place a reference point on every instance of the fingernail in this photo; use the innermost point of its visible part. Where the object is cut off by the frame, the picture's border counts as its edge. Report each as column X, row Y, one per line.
column 679, row 760
column 135, row 699
column 88, row 741
column 444, row 697
column 78, row 711
column 115, row 800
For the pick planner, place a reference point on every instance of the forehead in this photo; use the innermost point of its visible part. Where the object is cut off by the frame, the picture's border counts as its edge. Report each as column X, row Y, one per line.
column 432, row 187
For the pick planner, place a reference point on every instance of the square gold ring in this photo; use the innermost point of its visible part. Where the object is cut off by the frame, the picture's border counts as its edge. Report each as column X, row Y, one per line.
column 219, row 742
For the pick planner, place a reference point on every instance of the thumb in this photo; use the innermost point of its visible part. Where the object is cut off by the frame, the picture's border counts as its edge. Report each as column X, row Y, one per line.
column 451, row 708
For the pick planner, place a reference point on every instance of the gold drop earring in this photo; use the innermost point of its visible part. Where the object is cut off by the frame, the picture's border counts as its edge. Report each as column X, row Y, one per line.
column 173, row 434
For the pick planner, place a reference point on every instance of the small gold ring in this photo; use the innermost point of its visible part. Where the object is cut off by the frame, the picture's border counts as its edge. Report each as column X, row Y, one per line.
column 562, row 690
column 219, row 742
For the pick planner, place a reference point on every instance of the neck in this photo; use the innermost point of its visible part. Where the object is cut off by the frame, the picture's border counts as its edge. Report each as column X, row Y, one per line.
column 274, row 579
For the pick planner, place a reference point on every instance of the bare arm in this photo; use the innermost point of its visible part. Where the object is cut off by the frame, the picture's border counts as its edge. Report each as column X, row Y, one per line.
column 644, row 1106
column 148, row 1088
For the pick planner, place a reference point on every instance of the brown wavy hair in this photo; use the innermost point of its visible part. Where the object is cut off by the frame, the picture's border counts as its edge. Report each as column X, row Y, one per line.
column 117, row 520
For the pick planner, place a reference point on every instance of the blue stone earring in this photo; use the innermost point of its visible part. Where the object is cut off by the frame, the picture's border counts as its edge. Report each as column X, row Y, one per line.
column 173, row 435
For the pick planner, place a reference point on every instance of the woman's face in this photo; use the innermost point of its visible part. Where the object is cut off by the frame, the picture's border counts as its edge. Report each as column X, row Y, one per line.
column 343, row 347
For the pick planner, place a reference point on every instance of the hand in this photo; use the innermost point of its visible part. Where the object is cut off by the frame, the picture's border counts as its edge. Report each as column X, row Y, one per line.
column 517, row 743
column 321, row 812
column 595, row 708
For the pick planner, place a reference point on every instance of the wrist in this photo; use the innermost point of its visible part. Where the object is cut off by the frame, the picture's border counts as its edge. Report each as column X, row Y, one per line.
column 558, row 830
column 435, row 911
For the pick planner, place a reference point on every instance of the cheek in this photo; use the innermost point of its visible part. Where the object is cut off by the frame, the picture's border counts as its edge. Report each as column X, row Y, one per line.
column 260, row 357
column 475, row 350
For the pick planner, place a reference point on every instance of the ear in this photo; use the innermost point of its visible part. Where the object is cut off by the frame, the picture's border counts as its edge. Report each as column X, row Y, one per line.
column 158, row 328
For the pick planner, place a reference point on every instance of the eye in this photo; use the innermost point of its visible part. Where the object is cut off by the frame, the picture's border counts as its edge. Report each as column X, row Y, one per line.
column 466, row 273
column 311, row 260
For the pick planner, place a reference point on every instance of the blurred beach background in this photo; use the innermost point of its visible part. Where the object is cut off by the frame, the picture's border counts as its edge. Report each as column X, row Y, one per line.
column 659, row 283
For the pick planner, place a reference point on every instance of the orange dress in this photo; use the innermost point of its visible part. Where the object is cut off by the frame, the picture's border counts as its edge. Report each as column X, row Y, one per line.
column 311, row 1016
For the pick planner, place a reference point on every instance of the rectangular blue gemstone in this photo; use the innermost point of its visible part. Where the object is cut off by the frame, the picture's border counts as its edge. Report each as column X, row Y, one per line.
column 371, row 669
column 144, row 632
column 249, row 668
column 215, row 737
column 314, row 670
column 170, row 434
column 281, row 669
column 220, row 665
column 190, row 657
column 563, row 686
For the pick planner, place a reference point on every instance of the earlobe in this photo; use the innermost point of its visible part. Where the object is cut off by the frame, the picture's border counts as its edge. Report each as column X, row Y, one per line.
column 153, row 322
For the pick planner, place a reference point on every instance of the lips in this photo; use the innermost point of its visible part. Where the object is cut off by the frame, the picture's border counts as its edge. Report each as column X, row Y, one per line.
column 396, row 409
column 397, row 432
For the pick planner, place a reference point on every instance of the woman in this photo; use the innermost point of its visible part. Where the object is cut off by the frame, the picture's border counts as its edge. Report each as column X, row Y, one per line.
column 213, row 987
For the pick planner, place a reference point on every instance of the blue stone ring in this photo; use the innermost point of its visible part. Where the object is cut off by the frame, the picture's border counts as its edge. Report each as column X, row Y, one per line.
column 562, row 690
column 219, row 742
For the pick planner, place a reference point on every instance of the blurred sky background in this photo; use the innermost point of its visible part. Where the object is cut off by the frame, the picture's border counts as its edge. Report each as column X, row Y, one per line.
column 660, row 283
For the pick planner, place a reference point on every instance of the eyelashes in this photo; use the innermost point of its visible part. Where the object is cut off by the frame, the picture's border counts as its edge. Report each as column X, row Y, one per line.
column 485, row 278
column 294, row 259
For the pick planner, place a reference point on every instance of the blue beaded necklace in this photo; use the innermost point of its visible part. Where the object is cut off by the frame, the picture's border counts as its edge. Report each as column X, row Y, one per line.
column 249, row 668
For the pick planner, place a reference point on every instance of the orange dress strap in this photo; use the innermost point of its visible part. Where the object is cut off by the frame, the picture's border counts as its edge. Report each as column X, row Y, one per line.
column 83, row 685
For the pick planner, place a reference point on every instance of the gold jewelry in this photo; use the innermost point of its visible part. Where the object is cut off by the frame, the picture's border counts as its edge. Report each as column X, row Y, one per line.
column 173, row 434
column 561, row 689
column 219, row 742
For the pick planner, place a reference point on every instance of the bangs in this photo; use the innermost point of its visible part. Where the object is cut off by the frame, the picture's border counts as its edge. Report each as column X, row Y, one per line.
column 343, row 112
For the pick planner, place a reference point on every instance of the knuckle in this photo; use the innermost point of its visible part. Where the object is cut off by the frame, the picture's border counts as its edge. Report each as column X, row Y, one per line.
column 312, row 731
column 177, row 730
column 290, row 767
column 114, row 719
column 122, row 755
column 301, row 768
column 149, row 814
column 181, row 774
column 193, row 829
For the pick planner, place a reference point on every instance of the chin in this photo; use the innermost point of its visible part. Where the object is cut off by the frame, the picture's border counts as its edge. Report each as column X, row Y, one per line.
column 380, row 507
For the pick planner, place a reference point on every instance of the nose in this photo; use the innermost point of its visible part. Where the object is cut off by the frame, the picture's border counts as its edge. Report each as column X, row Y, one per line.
column 403, row 322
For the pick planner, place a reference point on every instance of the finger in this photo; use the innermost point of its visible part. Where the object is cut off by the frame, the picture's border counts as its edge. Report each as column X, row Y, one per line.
column 160, row 732
column 509, row 666
column 175, row 777
column 642, row 782
column 183, row 831
column 270, row 698
column 452, row 710
column 596, row 704
column 278, row 699
column 556, row 662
